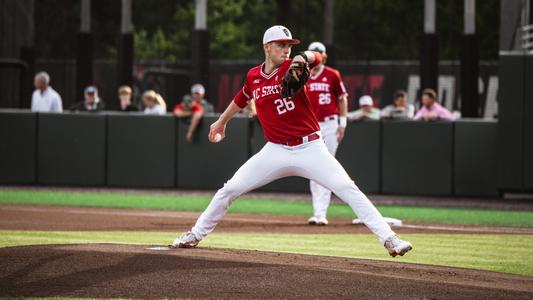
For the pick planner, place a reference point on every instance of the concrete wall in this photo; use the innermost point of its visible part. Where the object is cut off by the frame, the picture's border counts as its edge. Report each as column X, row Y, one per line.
column 71, row 149
column 18, row 149
column 360, row 154
column 204, row 165
column 417, row 158
column 141, row 150
column 134, row 150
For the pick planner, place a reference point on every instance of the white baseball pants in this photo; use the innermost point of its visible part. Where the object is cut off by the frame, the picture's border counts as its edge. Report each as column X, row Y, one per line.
column 310, row 160
column 321, row 196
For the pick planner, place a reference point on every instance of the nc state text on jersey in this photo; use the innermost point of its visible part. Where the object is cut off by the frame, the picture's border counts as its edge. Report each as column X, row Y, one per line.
column 266, row 90
column 319, row 87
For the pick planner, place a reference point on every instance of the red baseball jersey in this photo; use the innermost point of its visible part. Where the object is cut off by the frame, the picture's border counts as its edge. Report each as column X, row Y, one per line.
column 195, row 108
column 282, row 119
column 324, row 90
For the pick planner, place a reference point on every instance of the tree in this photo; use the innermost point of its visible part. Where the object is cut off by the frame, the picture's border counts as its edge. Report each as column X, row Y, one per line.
column 364, row 29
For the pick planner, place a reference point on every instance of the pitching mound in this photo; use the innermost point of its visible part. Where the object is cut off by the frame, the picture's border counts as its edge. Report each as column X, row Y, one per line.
column 127, row 271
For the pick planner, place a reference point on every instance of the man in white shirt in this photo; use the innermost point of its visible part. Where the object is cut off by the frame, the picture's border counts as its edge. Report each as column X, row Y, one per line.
column 45, row 98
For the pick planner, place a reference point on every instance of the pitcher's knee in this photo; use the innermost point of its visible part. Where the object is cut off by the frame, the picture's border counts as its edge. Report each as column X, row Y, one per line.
column 230, row 191
column 343, row 186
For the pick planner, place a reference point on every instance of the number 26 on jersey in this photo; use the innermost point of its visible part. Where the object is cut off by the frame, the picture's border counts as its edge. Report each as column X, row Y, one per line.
column 324, row 98
column 284, row 105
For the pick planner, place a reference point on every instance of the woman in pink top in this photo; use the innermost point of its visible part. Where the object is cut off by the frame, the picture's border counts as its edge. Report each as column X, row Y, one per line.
column 431, row 109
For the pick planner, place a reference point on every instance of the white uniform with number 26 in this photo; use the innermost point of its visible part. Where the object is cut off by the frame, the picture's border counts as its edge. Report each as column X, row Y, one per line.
column 325, row 88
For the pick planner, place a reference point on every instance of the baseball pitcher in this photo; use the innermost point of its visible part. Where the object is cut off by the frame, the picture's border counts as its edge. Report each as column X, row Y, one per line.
column 295, row 146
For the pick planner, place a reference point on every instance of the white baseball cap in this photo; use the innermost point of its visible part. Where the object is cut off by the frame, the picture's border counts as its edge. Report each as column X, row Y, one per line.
column 278, row 33
column 365, row 100
column 317, row 46
column 91, row 90
column 198, row 88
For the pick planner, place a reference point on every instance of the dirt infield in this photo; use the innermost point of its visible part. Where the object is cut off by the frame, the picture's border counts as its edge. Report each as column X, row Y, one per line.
column 31, row 217
column 135, row 272
column 112, row 271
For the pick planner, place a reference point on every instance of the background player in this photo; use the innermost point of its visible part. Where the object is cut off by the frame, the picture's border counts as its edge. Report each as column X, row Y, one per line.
column 294, row 146
column 328, row 95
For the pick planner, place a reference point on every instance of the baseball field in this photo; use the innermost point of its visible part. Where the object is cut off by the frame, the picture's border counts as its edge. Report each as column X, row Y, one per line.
column 66, row 243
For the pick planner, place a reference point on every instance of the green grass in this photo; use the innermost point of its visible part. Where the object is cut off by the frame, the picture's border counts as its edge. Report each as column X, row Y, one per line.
column 493, row 252
column 274, row 207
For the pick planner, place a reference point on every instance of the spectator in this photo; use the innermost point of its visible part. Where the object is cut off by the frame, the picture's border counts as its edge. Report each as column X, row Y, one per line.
column 366, row 110
column 189, row 108
column 197, row 94
column 91, row 103
column 154, row 103
column 124, row 96
column 400, row 109
column 431, row 109
column 45, row 98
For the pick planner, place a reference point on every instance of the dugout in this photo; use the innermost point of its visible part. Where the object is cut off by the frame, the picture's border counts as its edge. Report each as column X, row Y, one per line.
column 18, row 132
column 71, row 149
column 141, row 150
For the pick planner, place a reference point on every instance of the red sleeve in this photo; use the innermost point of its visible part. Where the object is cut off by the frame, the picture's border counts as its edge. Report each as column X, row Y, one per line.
column 197, row 108
column 178, row 107
column 339, row 88
column 243, row 96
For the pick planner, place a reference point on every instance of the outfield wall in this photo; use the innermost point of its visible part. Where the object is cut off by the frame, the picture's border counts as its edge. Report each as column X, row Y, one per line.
column 136, row 150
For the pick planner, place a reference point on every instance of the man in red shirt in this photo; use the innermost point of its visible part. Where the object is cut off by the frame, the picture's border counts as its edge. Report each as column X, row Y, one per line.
column 328, row 95
column 189, row 108
column 294, row 146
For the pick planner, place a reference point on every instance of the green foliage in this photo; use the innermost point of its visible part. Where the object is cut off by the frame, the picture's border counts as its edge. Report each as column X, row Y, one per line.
column 157, row 46
column 378, row 29
column 167, row 38
column 363, row 29
column 229, row 28
column 227, row 38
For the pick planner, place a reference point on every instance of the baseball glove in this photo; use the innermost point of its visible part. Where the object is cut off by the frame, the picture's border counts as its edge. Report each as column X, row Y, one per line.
column 295, row 78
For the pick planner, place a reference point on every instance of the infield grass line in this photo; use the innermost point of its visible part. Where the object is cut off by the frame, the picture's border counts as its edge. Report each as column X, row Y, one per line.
column 458, row 216
column 491, row 252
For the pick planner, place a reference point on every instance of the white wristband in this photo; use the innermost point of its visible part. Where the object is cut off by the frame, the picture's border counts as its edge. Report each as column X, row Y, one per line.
column 342, row 122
